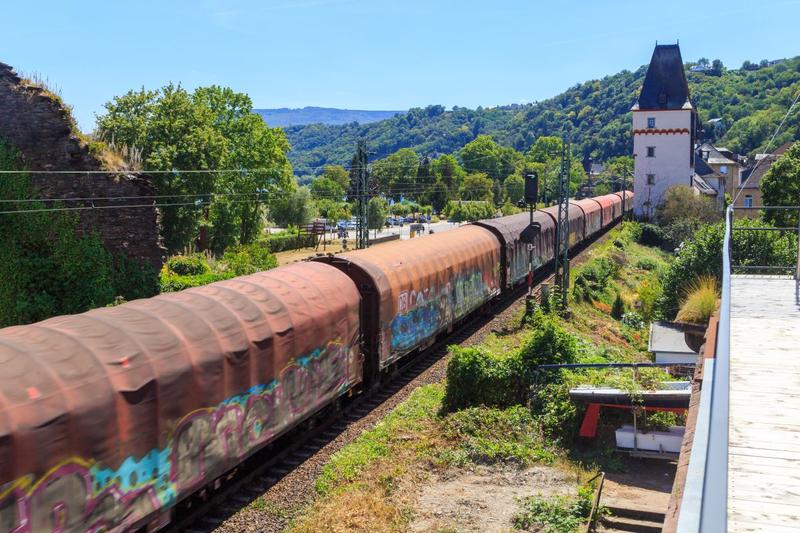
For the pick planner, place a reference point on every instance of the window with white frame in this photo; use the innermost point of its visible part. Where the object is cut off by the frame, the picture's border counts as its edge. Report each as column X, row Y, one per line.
column 723, row 169
column 748, row 200
column 651, row 122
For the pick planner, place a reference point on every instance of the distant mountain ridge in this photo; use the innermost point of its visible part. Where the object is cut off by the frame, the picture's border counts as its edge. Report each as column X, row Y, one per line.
column 747, row 105
column 284, row 116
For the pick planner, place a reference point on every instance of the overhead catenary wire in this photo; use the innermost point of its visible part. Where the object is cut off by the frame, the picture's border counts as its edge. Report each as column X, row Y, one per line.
column 767, row 147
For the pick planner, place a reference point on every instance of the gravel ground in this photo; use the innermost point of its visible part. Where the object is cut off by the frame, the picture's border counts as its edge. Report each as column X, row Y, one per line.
column 286, row 498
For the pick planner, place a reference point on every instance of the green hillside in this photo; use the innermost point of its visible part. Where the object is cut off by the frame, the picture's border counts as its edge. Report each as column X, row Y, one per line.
column 595, row 114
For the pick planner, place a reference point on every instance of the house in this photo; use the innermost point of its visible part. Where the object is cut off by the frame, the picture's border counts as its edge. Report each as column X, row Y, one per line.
column 668, row 343
column 717, row 169
column 664, row 131
column 749, row 185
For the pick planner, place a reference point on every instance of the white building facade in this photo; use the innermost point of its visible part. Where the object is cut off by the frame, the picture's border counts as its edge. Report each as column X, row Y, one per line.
column 663, row 131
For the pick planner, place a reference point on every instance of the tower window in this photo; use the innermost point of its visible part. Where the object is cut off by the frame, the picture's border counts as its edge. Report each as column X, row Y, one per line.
column 651, row 179
column 748, row 200
column 723, row 169
column 651, row 122
column 651, row 151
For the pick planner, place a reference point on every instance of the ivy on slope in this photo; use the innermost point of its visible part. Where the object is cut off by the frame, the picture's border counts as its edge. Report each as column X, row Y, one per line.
column 595, row 114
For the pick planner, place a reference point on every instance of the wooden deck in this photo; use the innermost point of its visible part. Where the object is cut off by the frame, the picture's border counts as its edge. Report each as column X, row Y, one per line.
column 764, row 458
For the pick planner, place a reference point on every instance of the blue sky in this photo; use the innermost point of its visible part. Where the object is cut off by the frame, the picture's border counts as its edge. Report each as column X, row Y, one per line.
column 373, row 54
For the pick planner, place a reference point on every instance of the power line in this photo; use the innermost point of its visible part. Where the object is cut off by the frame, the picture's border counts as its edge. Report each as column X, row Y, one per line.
column 766, row 148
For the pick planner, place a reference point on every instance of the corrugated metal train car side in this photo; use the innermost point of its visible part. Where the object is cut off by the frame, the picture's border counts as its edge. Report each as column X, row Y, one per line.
column 109, row 418
column 412, row 290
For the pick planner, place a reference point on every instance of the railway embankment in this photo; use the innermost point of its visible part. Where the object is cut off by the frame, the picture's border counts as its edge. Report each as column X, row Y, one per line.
column 483, row 443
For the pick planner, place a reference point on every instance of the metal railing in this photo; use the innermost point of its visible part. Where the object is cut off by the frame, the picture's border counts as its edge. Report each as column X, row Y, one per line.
column 704, row 506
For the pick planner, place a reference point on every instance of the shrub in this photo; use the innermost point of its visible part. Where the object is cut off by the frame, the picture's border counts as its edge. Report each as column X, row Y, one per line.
column 594, row 277
column 287, row 240
column 618, row 308
column 477, row 377
column 188, row 265
column 649, row 292
column 557, row 514
column 248, row 259
column 651, row 235
column 700, row 301
column 549, row 343
column 646, row 264
column 171, row 282
column 469, row 211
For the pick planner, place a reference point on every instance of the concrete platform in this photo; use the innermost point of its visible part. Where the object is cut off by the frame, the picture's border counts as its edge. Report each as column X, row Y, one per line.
column 764, row 446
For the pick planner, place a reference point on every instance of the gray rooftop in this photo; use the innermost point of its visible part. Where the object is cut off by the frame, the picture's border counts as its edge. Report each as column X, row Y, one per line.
column 668, row 337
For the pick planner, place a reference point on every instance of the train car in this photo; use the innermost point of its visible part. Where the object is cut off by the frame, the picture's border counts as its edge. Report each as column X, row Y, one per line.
column 628, row 197
column 109, row 418
column 514, row 261
column 612, row 203
column 575, row 222
column 592, row 216
column 412, row 290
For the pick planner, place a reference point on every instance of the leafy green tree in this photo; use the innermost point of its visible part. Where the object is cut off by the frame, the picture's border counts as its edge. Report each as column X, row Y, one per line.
column 447, row 169
column 397, row 174
column 485, row 156
column 781, row 186
column 294, row 208
column 477, row 187
column 338, row 174
column 212, row 129
column 469, row 211
column 515, row 188
column 326, row 188
column 377, row 209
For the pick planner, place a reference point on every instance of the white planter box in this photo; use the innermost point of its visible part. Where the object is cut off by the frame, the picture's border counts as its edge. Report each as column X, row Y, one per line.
column 654, row 441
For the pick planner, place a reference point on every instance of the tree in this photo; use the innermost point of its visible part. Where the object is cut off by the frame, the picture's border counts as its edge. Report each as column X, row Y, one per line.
column 447, row 169
column 781, row 186
column 294, row 208
column 326, row 188
column 483, row 155
column 338, row 174
column 477, row 187
column 515, row 188
column 376, row 213
column 717, row 68
column 544, row 158
column 211, row 129
column 397, row 174
column 682, row 202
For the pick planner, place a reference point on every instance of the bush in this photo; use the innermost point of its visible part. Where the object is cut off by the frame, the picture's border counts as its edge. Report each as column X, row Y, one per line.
column 618, row 308
column 287, row 240
column 549, row 344
column 646, row 264
column 247, row 259
column 594, row 277
column 557, row 514
column 477, row 377
column 188, row 265
column 700, row 301
column 651, row 235
column 469, row 211
column 171, row 282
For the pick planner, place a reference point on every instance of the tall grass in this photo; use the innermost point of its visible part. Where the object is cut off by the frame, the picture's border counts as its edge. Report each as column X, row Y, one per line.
column 700, row 301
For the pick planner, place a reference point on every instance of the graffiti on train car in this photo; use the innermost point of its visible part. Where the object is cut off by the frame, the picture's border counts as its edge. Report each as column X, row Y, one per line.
column 520, row 259
column 82, row 495
column 422, row 313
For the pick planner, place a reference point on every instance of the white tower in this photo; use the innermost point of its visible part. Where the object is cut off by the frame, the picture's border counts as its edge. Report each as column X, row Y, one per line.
column 663, row 131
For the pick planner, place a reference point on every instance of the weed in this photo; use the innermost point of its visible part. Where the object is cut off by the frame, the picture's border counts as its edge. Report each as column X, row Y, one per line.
column 700, row 301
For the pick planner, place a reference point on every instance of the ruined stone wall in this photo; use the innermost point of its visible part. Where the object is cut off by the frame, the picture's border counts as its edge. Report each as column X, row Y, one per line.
column 38, row 125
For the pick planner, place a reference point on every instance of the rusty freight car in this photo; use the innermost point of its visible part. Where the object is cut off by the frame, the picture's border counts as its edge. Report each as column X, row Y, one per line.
column 515, row 257
column 109, row 418
column 412, row 290
column 592, row 216
column 574, row 222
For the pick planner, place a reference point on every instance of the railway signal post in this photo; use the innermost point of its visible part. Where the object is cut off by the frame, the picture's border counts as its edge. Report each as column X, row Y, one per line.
column 529, row 235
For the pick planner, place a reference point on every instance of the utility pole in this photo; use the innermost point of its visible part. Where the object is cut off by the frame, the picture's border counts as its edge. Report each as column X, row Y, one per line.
column 562, row 228
column 362, row 195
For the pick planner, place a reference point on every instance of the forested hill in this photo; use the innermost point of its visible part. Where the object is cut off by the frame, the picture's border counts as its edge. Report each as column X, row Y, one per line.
column 323, row 115
column 748, row 103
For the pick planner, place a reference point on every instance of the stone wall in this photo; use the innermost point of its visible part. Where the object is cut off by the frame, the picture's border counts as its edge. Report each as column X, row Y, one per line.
column 38, row 125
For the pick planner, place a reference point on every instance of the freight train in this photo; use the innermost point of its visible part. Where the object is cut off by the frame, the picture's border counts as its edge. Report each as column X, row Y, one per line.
column 110, row 418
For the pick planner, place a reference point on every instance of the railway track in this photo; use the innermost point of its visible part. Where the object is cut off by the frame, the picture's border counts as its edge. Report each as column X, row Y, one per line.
column 212, row 507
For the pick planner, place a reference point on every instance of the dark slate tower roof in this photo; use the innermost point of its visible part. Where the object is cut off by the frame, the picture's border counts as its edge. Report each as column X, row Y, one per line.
column 665, row 85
